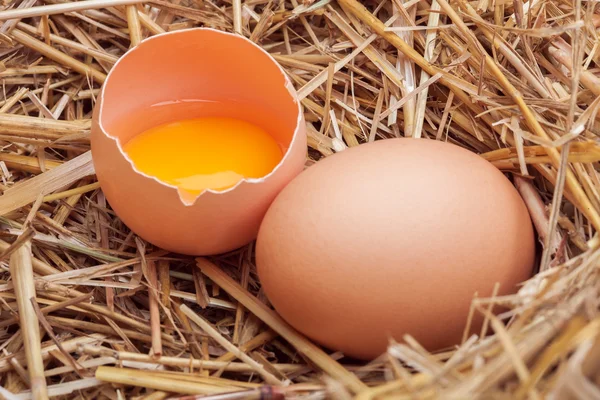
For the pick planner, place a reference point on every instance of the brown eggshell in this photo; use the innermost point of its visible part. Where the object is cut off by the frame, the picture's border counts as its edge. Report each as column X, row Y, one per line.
column 391, row 238
column 214, row 67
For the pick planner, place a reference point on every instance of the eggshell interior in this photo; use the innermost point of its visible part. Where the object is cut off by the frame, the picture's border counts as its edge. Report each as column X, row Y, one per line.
column 204, row 66
column 194, row 69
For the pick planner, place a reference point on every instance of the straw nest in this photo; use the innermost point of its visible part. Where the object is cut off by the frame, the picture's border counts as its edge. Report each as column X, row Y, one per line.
column 514, row 81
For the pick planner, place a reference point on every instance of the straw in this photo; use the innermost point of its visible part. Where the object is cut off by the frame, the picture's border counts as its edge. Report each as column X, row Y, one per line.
column 133, row 22
column 22, row 275
column 212, row 332
column 54, row 179
column 64, row 8
column 56, row 55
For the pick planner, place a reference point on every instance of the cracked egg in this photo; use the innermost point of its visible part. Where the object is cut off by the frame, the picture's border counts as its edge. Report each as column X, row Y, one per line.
column 195, row 132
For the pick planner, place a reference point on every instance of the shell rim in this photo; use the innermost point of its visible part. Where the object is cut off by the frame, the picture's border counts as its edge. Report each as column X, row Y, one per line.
column 286, row 82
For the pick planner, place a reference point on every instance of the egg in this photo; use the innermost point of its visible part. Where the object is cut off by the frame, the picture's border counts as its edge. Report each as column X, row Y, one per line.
column 391, row 238
column 194, row 134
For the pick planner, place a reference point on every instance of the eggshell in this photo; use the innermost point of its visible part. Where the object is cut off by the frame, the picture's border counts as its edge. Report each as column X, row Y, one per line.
column 211, row 67
column 392, row 238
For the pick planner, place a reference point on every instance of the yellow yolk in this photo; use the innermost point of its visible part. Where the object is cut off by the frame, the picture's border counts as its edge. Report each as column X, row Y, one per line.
column 204, row 153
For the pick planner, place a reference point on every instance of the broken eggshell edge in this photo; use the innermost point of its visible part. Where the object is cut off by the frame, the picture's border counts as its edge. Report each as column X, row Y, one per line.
column 212, row 222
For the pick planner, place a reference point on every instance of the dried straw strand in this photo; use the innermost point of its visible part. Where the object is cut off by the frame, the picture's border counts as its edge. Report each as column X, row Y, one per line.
column 21, row 270
column 62, row 8
column 213, row 333
column 133, row 23
column 57, row 56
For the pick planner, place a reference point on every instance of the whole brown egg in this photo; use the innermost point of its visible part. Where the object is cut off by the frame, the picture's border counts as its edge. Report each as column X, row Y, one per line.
column 390, row 238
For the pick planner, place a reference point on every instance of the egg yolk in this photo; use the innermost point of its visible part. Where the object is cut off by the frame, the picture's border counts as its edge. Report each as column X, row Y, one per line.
column 204, row 153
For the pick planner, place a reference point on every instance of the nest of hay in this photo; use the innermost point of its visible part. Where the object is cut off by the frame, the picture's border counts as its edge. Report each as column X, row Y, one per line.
column 515, row 81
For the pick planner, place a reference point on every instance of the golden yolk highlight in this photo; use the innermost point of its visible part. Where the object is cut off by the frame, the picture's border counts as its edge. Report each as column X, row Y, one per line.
column 204, row 153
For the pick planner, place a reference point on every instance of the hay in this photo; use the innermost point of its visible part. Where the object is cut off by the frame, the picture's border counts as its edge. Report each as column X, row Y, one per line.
column 515, row 81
